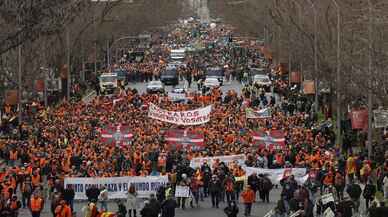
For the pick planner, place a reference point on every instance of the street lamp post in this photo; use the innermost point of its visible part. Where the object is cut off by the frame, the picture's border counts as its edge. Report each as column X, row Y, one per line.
column 68, row 63
column 20, row 83
column 339, row 138
column 109, row 46
column 316, row 101
column 300, row 39
column 370, row 96
column 45, row 70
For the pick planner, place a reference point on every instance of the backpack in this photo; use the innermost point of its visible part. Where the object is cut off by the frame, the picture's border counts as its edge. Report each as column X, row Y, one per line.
column 229, row 186
column 267, row 184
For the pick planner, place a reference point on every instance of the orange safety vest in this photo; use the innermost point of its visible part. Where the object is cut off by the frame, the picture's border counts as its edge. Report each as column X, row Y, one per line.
column 36, row 204
column 14, row 205
column 35, row 180
column 13, row 155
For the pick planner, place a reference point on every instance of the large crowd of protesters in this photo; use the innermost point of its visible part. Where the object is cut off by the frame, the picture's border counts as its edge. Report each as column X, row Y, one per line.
column 64, row 141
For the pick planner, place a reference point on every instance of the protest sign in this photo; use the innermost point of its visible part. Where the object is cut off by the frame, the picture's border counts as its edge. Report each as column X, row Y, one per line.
column 198, row 162
column 359, row 119
column 276, row 175
column 380, row 118
column 328, row 213
column 262, row 113
column 308, row 87
column 192, row 117
column 184, row 139
column 182, row 191
column 11, row 97
column 274, row 139
column 296, row 214
column 176, row 96
column 117, row 186
column 327, row 198
column 296, row 77
column 119, row 135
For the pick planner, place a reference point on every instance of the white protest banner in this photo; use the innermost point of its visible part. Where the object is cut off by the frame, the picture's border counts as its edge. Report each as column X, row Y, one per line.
column 276, row 175
column 192, row 117
column 182, row 191
column 198, row 162
column 327, row 198
column 177, row 96
column 296, row 214
column 328, row 213
column 117, row 186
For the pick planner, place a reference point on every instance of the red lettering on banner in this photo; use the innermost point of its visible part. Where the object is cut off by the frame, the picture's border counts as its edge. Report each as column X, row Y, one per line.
column 196, row 113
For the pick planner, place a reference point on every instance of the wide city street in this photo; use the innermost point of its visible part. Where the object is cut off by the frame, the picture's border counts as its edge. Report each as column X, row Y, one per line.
column 193, row 108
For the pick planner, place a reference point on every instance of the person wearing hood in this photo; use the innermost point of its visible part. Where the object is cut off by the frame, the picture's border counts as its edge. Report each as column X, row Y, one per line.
column 168, row 207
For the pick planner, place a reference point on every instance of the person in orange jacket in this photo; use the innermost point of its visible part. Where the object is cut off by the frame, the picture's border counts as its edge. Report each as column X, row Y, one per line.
column 248, row 197
column 63, row 210
column 36, row 205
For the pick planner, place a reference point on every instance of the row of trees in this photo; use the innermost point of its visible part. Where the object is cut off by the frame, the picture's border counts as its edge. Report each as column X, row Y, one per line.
column 52, row 33
column 288, row 28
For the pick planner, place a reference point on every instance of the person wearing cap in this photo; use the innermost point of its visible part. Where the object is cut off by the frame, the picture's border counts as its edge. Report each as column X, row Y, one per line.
column 248, row 198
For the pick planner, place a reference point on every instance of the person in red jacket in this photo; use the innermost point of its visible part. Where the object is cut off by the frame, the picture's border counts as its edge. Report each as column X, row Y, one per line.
column 248, row 197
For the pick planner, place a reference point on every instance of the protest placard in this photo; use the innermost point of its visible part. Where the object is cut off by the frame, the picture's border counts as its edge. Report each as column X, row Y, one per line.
column 182, row 191
column 327, row 198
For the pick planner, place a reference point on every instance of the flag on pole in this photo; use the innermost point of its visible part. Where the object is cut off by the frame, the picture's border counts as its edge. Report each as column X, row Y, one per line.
column 116, row 135
column 184, row 139
column 262, row 113
column 273, row 139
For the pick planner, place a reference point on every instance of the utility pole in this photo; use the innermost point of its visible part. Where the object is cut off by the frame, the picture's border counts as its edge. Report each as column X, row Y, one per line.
column 95, row 41
column 20, row 76
column 316, row 99
column 20, row 83
column 107, row 54
column 339, row 84
column 370, row 86
column 68, row 63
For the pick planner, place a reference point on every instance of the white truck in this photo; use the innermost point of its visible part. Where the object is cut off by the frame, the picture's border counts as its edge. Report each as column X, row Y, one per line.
column 108, row 82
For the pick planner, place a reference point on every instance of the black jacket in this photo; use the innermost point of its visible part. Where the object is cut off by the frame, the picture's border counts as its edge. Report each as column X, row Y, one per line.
column 214, row 186
column 168, row 208
column 369, row 191
column 354, row 191
column 231, row 211
column 152, row 209
column 253, row 181
column 92, row 193
column 68, row 194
